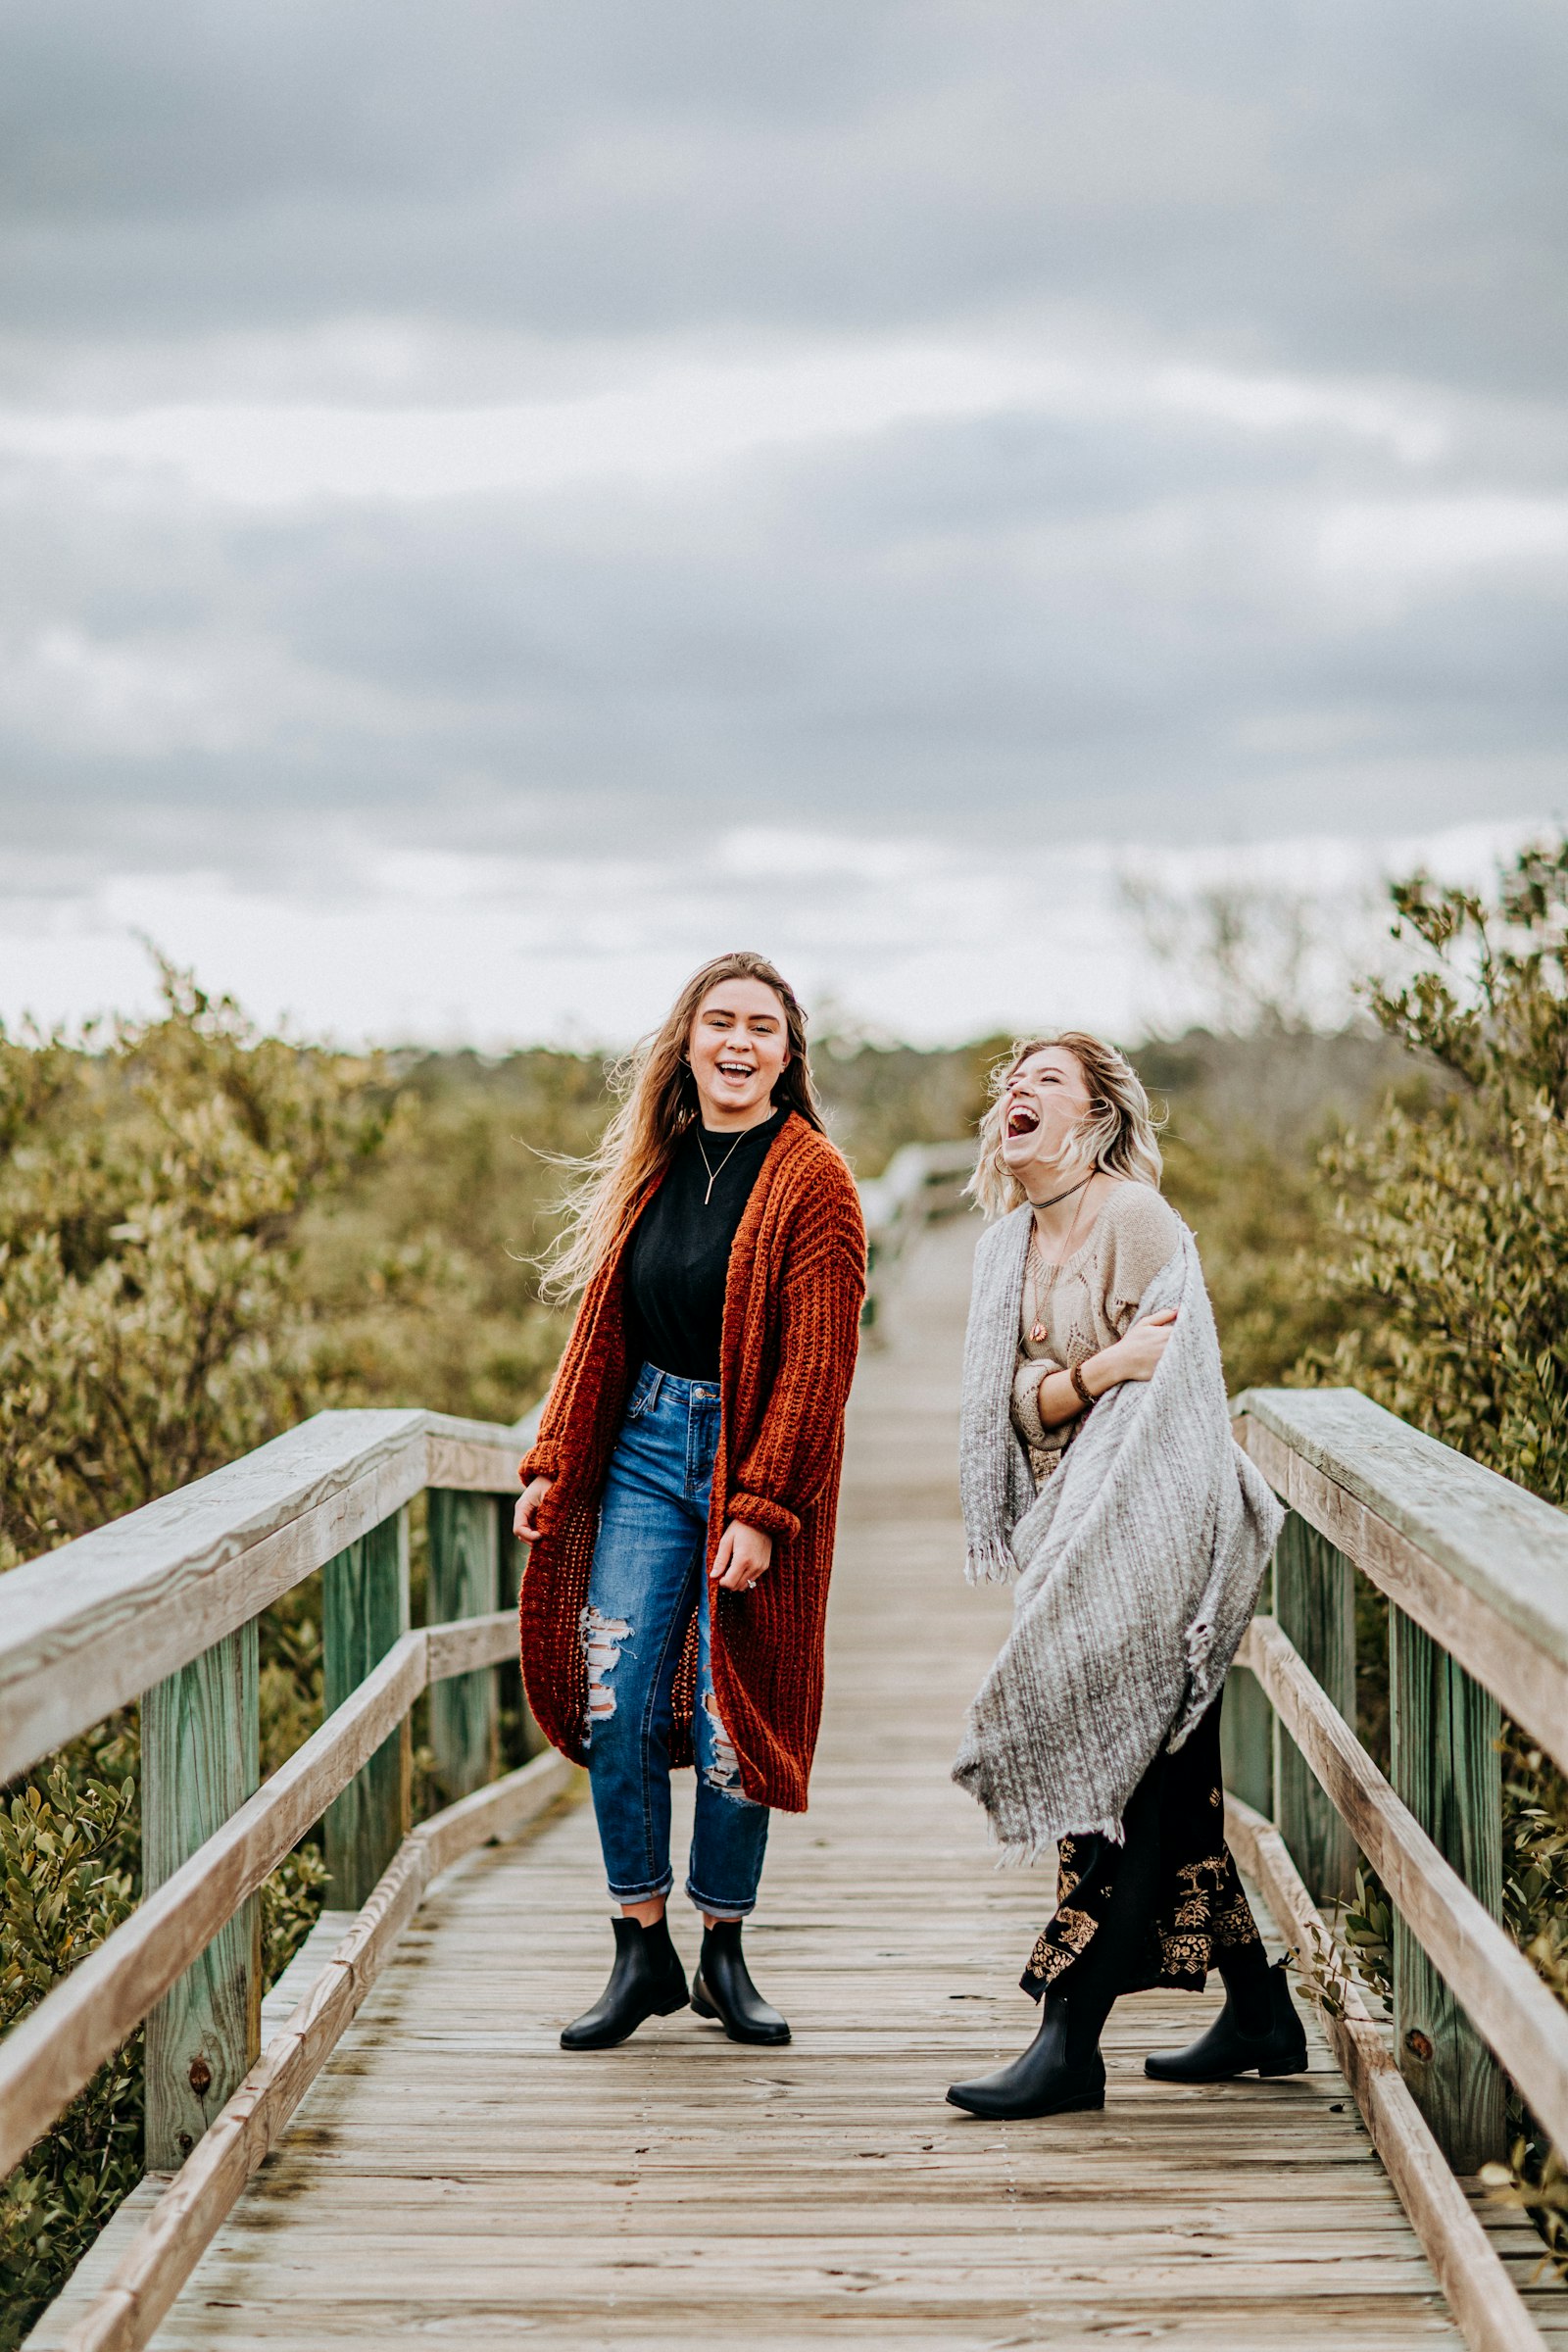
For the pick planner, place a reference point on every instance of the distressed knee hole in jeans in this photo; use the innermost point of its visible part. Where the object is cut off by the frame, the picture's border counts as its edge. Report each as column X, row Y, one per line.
column 725, row 1771
column 601, row 1637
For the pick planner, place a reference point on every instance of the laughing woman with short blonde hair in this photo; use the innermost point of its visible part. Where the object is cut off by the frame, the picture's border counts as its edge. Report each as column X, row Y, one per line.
column 1097, row 1730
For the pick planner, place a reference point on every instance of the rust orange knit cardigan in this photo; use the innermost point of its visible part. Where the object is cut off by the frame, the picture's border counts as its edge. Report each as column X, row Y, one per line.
column 792, row 1309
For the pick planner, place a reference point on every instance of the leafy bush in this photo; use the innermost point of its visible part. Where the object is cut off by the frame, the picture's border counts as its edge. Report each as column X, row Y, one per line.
column 1454, row 1208
column 153, row 1323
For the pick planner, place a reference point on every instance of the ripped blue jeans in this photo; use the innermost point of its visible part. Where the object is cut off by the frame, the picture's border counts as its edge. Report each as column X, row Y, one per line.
column 648, row 1574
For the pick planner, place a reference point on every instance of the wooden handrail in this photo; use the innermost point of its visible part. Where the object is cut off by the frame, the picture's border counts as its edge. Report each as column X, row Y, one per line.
column 1475, row 1571
column 920, row 1183
column 1478, row 1563
column 46, row 2059
column 90, row 1627
column 1521, row 2021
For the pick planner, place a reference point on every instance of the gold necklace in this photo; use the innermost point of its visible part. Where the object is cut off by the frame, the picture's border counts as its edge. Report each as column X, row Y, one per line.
column 713, row 1174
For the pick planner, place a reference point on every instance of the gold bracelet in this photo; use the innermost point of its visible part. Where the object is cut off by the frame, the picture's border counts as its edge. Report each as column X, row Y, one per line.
column 1075, row 1375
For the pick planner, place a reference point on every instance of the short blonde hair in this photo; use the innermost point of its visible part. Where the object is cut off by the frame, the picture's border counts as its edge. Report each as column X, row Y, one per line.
column 1116, row 1134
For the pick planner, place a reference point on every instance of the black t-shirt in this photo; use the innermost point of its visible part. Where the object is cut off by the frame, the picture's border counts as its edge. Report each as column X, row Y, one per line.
column 680, row 1249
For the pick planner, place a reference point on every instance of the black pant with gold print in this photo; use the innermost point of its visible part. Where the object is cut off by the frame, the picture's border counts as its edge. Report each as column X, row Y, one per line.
column 1163, row 1907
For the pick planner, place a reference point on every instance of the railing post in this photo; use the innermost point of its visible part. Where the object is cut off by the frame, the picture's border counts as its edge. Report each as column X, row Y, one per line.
column 365, row 1609
column 1445, row 1765
column 464, row 1573
column 198, row 1764
column 1314, row 1602
column 1247, row 1728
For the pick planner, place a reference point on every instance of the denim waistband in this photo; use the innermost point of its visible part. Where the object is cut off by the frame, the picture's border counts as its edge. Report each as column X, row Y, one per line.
column 682, row 1392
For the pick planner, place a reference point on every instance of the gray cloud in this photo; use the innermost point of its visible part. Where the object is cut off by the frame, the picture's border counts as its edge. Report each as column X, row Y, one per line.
column 1091, row 620
column 1318, row 182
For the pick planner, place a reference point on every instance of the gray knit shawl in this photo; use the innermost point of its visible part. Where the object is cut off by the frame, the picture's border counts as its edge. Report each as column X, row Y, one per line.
column 1137, row 1562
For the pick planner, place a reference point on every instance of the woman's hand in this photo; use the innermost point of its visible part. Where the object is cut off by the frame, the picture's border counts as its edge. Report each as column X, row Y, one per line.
column 1137, row 1354
column 525, row 1518
column 744, row 1553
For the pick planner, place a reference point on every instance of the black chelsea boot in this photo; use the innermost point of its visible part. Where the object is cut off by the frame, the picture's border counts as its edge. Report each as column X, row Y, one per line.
column 1053, row 2077
column 722, row 1988
column 646, row 1981
column 1225, row 2051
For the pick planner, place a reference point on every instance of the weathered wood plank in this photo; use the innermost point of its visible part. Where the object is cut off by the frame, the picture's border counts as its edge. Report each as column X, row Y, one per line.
column 88, row 1627
column 464, row 1574
column 155, row 2265
column 1506, row 2000
column 1445, row 1767
column 1479, row 2291
column 365, row 1613
column 503, row 1811
column 93, row 1625
column 463, row 1647
column 474, row 1457
column 198, row 1764
column 1479, row 1564
column 1315, row 1603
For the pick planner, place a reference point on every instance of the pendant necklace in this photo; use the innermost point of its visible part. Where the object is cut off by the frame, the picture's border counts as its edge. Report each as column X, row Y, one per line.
column 1037, row 1330
column 713, row 1174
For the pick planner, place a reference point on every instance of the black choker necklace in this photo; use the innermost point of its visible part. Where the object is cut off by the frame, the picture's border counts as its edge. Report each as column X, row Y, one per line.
column 1037, row 1205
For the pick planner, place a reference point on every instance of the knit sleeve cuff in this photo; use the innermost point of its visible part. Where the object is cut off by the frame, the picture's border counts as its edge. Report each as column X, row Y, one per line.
column 540, row 1461
column 1026, row 1402
column 770, row 1518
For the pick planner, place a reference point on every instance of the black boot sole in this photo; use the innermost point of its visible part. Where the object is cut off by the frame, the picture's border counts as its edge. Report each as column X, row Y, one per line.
column 1268, row 2070
column 1081, row 2102
column 770, row 2039
column 613, row 2042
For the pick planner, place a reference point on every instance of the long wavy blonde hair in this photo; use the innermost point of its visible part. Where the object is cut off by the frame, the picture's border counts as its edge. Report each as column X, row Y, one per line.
column 1116, row 1133
column 658, row 1103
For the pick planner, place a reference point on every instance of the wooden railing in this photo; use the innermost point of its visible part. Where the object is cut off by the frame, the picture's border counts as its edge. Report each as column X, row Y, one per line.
column 919, row 1183
column 163, row 1606
column 1475, row 1574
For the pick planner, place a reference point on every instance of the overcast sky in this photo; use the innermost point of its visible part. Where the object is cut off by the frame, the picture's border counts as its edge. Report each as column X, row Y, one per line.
column 501, row 500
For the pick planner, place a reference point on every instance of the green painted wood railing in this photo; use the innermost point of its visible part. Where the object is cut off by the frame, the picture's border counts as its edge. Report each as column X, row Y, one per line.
column 1476, row 1574
column 178, row 1589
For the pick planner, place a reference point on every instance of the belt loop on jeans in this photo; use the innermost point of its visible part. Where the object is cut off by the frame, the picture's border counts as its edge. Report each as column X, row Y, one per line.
column 652, row 1393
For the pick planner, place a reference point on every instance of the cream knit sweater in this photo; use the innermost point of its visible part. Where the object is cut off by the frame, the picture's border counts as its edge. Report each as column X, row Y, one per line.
column 1085, row 1303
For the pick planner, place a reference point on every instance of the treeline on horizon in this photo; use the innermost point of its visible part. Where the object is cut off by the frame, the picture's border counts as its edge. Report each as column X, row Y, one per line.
column 206, row 1233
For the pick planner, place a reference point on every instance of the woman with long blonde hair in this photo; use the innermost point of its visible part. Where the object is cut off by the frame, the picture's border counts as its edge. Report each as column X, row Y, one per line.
column 679, row 1500
column 1099, row 1469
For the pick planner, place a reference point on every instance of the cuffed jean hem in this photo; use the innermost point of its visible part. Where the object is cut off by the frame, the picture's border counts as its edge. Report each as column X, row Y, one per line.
column 716, row 1908
column 643, row 1895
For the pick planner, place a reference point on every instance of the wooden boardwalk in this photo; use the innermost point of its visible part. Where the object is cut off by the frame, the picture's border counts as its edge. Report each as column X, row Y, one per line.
column 455, row 2179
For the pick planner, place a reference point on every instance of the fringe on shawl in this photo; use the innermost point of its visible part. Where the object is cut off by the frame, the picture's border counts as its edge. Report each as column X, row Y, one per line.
column 1025, row 1853
column 990, row 1563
